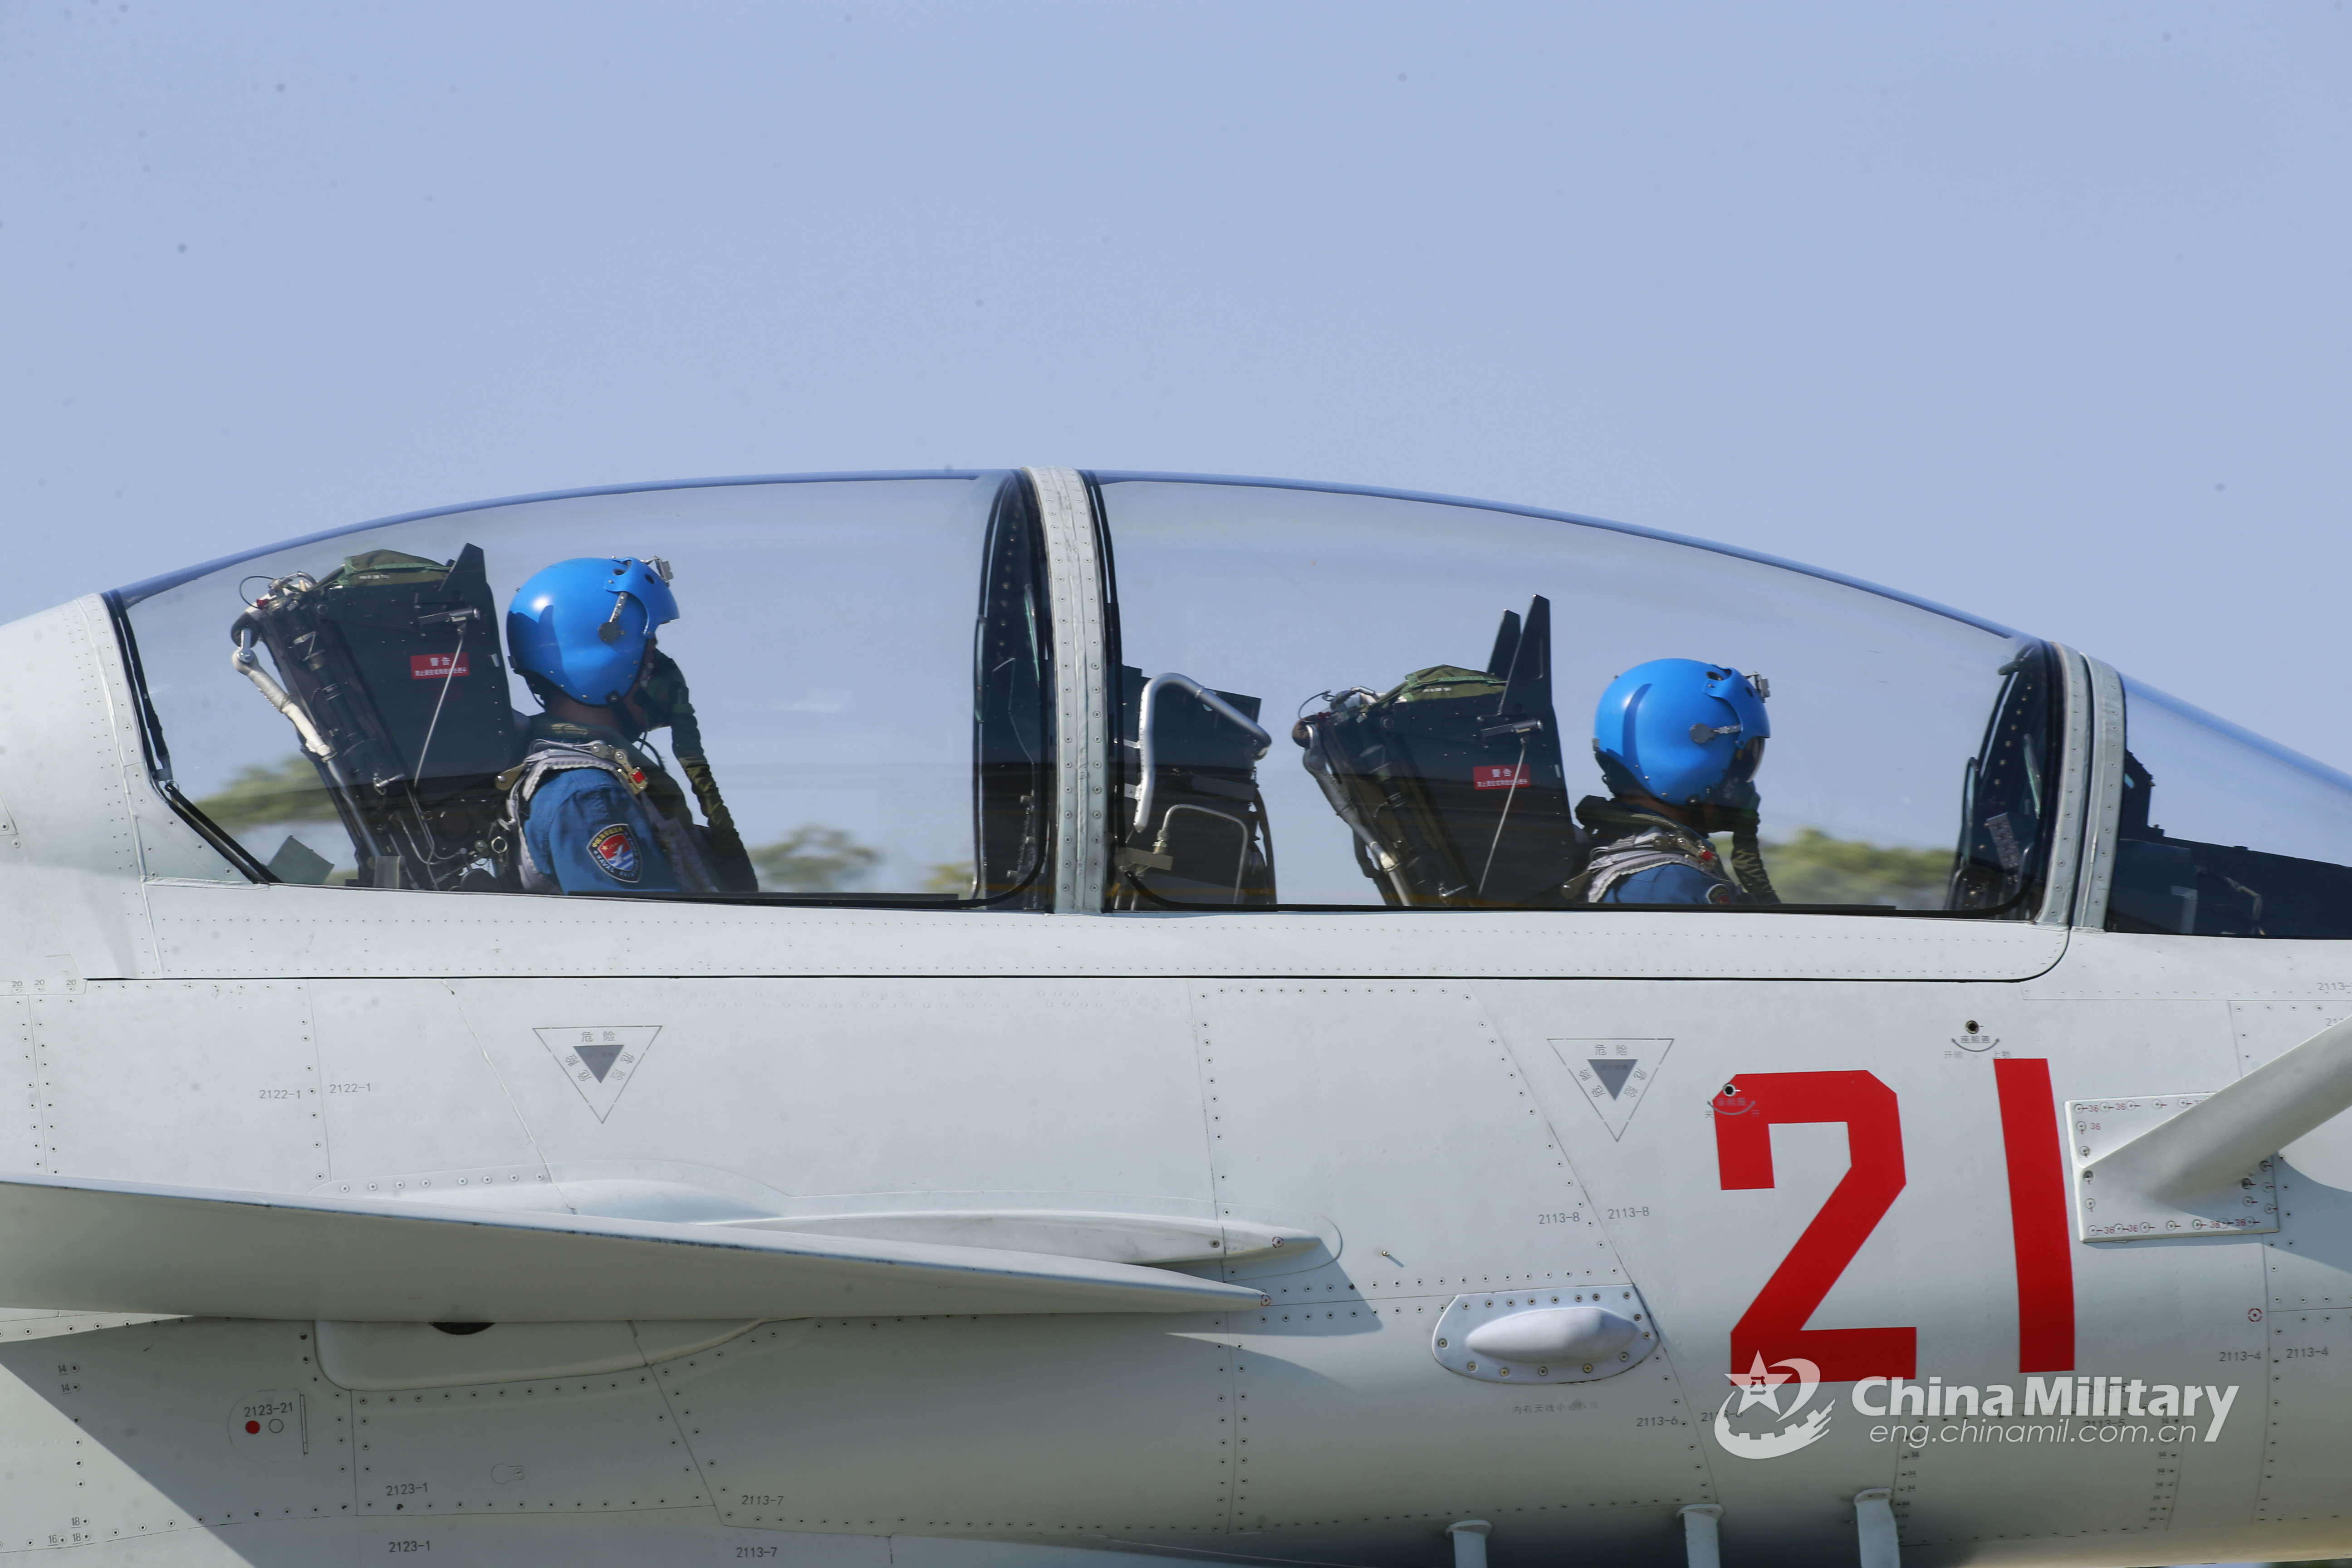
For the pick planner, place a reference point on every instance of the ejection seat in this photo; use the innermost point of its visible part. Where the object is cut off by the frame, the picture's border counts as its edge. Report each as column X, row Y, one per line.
column 1195, row 832
column 392, row 676
column 1452, row 782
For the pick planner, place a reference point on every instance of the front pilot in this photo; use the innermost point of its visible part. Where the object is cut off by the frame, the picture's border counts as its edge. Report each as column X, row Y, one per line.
column 596, row 815
column 1679, row 743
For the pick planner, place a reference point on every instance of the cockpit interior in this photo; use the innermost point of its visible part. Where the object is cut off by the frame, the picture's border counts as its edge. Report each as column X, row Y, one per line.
column 1399, row 691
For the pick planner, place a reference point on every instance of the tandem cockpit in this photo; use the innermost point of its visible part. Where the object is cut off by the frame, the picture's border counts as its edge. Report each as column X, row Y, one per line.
column 866, row 691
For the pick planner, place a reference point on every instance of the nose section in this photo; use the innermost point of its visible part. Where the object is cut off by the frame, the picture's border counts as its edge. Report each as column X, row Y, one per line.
column 85, row 822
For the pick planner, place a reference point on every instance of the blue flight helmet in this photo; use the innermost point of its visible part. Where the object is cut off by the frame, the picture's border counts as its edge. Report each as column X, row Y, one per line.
column 1689, row 733
column 583, row 626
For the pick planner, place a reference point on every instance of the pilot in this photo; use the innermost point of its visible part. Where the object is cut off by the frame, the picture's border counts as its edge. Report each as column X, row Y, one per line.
column 595, row 814
column 1679, row 743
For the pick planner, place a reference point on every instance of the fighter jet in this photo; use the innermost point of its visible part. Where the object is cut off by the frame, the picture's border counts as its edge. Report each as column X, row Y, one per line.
column 761, row 1020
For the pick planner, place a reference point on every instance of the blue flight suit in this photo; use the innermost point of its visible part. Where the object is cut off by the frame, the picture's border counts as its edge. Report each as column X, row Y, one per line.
column 590, row 832
column 1669, row 885
column 1641, row 858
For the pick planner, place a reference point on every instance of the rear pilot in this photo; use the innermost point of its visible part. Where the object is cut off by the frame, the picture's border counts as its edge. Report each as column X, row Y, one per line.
column 1679, row 743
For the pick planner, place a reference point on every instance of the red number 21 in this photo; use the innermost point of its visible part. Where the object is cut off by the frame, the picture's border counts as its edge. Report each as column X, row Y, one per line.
column 1774, row 1324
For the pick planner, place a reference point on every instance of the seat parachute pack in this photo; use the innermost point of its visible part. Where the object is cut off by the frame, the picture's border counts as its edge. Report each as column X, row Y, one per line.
column 394, row 662
column 1451, row 781
column 1195, row 829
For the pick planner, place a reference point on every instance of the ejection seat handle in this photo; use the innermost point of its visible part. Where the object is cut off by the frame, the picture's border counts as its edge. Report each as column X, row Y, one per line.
column 1700, row 1548
column 1469, row 1542
column 1874, row 1518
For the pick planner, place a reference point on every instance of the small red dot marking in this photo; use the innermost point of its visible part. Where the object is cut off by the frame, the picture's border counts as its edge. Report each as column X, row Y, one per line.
column 252, row 1427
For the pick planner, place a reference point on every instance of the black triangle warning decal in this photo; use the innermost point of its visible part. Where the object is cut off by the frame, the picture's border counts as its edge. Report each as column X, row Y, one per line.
column 1612, row 1074
column 600, row 1059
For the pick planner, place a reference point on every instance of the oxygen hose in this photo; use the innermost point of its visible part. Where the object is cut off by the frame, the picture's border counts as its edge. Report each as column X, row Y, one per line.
column 665, row 689
column 1748, row 863
column 719, row 823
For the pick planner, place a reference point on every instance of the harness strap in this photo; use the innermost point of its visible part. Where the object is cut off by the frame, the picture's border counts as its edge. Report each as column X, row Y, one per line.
column 1645, row 851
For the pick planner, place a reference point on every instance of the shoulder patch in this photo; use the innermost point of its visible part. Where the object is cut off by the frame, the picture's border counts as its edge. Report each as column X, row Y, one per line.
column 614, row 851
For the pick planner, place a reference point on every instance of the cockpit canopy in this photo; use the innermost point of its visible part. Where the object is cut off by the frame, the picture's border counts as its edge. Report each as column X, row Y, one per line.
column 2221, row 833
column 864, row 666
column 1430, row 670
column 1317, row 697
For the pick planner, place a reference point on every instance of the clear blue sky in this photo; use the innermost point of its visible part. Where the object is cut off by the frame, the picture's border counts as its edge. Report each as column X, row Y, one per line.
column 2045, row 311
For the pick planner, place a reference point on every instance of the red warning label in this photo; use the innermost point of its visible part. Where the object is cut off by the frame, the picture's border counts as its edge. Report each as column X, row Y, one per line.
column 438, row 666
column 1499, row 776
